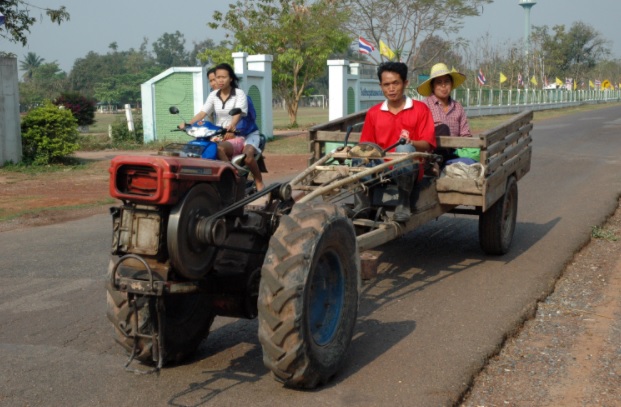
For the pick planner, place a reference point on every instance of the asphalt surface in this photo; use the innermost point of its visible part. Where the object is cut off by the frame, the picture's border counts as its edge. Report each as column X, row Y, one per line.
column 426, row 325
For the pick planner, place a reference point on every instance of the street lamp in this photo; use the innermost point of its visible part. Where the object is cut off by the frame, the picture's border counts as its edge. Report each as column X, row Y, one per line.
column 527, row 5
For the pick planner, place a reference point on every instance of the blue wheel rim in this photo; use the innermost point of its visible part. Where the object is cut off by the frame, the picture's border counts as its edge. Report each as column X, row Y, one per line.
column 326, row 298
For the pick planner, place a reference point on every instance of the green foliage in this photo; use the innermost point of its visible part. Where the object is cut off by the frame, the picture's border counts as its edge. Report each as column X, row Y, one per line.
column 114, row 77
column 121, row 133
column 300, row 34
column 49, row 134
column 83, row 108
column 18, row 19
column 571, row 52
column 170, row 51
column 598, row 232
column 31, row 62
column 46, row 83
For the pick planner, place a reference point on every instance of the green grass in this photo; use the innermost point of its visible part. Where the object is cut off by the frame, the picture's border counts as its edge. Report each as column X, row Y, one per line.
column 102, row 121
column 307, row 117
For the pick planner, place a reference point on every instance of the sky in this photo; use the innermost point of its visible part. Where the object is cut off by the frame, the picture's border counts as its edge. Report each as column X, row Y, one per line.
column 94, row 25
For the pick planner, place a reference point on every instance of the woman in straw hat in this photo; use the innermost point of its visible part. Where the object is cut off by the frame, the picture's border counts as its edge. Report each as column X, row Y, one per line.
column 445, row 110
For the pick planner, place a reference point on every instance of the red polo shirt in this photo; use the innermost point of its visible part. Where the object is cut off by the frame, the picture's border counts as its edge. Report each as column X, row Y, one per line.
column 384, row 128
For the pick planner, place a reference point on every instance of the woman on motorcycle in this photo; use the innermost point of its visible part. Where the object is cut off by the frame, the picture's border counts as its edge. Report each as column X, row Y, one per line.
column 220, row 102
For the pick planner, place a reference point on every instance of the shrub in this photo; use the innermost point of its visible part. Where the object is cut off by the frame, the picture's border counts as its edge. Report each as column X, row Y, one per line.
column 48, row 135
column 121, row 134
column 83, row 108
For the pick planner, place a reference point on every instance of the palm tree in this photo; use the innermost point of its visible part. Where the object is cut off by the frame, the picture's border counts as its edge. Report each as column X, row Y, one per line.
column 31, row 62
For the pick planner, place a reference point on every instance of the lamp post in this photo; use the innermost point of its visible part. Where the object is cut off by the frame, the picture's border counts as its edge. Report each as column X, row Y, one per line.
column 527, row 5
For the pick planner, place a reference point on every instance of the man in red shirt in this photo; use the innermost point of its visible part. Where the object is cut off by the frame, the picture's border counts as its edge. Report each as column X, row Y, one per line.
column 400, row 117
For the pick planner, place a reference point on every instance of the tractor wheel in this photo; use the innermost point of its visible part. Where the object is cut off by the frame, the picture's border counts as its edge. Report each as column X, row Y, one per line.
column 497, row 224
column 187, row 319
column 308, row 295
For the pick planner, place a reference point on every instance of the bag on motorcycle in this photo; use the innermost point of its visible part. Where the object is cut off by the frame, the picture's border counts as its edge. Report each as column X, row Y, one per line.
column 248, row 123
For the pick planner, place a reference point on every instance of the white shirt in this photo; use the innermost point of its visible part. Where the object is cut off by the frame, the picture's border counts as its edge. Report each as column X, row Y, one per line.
column 237, row 98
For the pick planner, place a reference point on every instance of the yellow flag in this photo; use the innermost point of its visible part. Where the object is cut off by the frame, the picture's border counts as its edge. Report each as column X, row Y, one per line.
column 607, row 85
column 591, row 84
column 575, row 85
column 503, row 78
column 559, row 82
column 385, row 51
column 533, row 80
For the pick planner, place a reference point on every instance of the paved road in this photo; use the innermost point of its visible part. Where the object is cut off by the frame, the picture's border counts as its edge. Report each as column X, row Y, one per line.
column 426, row 325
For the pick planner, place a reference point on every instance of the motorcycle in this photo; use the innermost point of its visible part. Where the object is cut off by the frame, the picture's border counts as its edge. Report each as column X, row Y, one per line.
column 205, row 145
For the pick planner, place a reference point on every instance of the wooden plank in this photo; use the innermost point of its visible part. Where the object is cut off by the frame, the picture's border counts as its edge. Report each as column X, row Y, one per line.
column 497, row 147
column 456, row 198
column 498, row 160
column 501, row 131
column 336, row 136
column 459, row 142
column 341, row 123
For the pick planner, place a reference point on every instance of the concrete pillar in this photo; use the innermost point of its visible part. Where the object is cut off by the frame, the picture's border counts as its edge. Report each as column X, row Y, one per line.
column 239, row 62
column 337, row 85
column 263, row 63
column 10, row 127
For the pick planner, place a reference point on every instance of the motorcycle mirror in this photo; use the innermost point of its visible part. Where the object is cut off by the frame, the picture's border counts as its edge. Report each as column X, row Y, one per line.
column 173, row 110
column 235, row 111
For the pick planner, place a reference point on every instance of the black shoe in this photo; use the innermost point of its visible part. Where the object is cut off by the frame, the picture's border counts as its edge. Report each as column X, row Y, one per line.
column 402, row 213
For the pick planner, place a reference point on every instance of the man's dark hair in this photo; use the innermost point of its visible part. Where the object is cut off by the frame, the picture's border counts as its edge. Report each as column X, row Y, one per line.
column 211, row 71
column 396, row 67
column 229, row 68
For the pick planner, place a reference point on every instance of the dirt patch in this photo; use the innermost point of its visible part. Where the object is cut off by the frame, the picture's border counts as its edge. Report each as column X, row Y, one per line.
column 569, row 354
column 45, row 198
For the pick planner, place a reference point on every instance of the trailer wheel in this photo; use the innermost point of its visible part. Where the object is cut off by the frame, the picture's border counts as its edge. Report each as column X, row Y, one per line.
column 187, row 320
column 308, row 295
column 497, row 224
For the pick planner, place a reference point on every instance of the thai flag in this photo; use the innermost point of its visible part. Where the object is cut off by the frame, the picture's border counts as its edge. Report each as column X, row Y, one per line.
column 364, row 46
column 520, row 80
column 481, row 77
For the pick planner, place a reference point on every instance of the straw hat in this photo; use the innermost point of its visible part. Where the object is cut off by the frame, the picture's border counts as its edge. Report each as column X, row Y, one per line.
column 436, row 71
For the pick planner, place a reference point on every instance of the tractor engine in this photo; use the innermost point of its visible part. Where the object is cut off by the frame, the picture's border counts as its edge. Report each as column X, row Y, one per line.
column 178, row 223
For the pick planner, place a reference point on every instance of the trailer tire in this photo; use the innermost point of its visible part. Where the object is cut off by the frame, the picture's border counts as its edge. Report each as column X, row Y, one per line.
column 308, row 295
column 187, row 320
column 497, row 224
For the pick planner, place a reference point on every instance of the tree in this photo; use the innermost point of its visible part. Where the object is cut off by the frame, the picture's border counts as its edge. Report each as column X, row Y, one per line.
column 18, row 19
column 47, row 82
column 31, row 62
column 301, row 35
column 199, row 48
column 405, row 24
column 435, row 49
column 130, row 67
column 574, row 52
column 170, row 51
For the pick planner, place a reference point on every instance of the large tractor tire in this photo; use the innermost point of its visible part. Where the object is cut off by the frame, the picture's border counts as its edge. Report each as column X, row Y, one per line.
column 497, row 224
column 187, row 320
column 308, row 295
